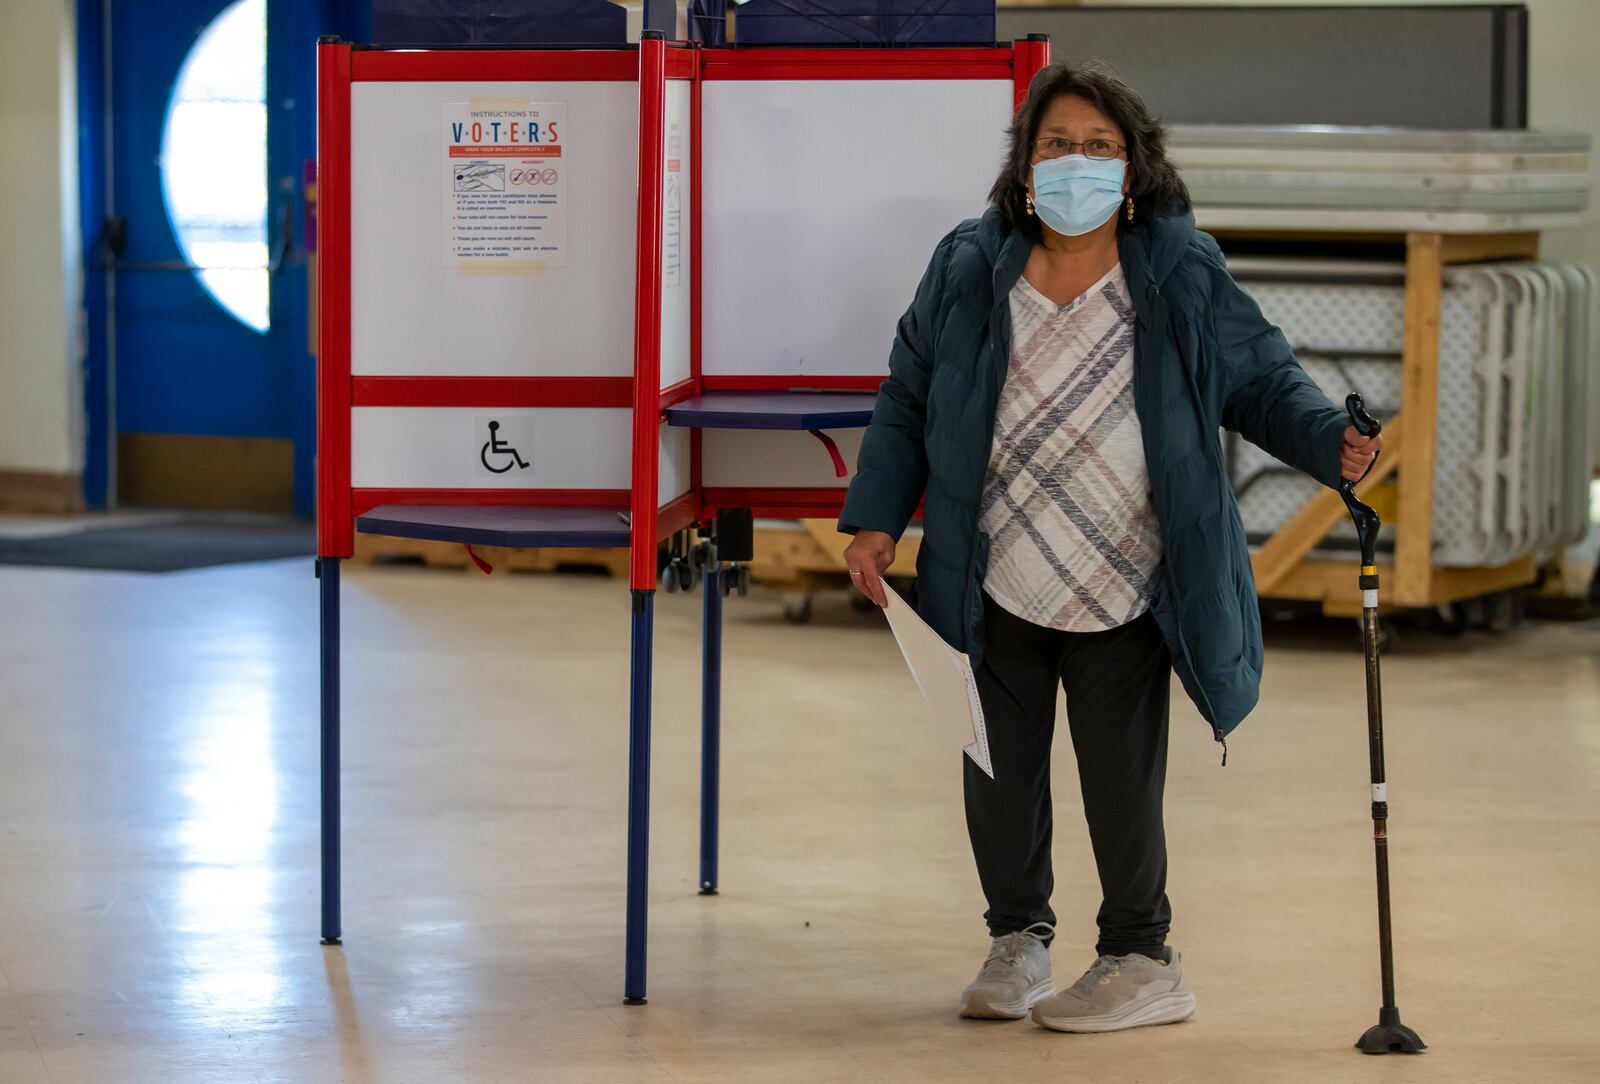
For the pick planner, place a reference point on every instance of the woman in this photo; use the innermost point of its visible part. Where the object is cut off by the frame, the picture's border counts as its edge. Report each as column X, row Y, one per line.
column 1055, row 389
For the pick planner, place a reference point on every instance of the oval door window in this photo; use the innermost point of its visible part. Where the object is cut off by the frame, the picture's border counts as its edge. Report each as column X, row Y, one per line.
column 214, row 161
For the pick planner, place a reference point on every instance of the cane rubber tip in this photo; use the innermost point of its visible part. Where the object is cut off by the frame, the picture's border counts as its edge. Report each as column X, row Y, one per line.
column 332, row 941
column 708, row 890
column 1390, row 1036
column 634, row 1001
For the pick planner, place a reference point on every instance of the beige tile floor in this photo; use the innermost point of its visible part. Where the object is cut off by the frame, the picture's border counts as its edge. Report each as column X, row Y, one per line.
column 158, row 891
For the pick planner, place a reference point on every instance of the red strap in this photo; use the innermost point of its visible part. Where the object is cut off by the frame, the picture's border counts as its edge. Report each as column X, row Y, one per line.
column 839, row 469
column 487, row 568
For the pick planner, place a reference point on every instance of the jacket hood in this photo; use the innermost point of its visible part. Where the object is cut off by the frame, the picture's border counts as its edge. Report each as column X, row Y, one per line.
column 1153, row 245
column 1159, row 242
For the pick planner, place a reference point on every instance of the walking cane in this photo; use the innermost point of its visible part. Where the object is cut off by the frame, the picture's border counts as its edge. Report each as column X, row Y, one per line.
column 1388, row 1035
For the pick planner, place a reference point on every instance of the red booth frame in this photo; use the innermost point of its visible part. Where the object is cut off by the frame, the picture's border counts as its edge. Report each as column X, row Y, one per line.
column 653, row 63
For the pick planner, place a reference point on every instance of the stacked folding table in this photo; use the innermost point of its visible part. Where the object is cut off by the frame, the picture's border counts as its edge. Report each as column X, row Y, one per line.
column 1332, row 178
column 1516, row 354
column 1481, row 356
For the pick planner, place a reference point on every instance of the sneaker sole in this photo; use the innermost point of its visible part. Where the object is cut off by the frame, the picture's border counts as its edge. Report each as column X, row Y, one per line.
column 977, row 1007
column 1168, row 1008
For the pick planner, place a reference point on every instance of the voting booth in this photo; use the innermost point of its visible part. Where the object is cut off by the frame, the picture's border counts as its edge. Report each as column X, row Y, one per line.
column 596, row 296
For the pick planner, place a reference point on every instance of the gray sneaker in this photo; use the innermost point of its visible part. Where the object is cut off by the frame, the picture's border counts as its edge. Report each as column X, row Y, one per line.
column 1016, row 974
column 1120, row 992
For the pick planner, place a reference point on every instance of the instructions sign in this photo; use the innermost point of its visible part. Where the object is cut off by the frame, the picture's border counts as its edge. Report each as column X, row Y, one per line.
column 505, row 186
column 672, row 250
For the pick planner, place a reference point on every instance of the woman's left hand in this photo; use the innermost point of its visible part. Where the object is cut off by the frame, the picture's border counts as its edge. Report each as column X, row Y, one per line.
column 1356, row 454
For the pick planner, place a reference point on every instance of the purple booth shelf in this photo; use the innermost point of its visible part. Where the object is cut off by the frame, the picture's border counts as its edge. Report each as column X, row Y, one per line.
column 774, row 410
column 514, row 528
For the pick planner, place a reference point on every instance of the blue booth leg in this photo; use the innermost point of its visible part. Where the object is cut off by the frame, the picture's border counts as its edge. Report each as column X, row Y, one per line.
column 633, row 986
column 328, row 583
column 710, row 727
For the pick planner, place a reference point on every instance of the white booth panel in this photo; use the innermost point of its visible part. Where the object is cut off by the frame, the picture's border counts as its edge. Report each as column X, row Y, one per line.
column 673, row 475
column 415, row 313
column 454, row 448
column 677, row 229
column 825, row 202
column 762, row 458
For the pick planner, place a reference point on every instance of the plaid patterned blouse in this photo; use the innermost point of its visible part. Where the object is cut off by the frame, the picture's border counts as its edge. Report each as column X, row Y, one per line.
column 1073, row 539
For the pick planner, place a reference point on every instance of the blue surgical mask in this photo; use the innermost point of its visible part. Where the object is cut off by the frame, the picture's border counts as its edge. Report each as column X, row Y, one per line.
column 1074, row 194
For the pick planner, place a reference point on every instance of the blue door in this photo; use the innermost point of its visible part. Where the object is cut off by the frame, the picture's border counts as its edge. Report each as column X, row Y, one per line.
column 200, row 382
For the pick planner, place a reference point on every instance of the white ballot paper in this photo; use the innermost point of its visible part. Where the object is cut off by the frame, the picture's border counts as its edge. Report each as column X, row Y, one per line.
column 945, row 677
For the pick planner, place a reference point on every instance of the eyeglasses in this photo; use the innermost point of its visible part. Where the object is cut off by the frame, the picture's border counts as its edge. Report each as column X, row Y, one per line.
column 1098, row 149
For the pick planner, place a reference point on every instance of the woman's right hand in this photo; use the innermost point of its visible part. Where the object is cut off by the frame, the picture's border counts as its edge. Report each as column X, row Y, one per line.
column 866, row 558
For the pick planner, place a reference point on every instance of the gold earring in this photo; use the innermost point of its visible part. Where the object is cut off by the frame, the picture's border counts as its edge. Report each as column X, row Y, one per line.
column 1030, row 204
column 1130, row 208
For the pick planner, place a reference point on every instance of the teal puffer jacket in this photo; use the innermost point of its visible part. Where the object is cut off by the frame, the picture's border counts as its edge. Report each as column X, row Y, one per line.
column 1204, row 359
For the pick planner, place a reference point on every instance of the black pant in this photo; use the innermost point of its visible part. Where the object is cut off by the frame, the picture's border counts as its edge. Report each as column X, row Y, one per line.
column 1117, row 693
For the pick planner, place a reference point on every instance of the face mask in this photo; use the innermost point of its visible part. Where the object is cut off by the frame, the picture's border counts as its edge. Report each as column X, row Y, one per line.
column 1074, row 194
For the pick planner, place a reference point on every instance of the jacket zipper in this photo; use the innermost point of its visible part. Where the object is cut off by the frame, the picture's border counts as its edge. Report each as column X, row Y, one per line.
column 1000, row 348
column 1188, row 656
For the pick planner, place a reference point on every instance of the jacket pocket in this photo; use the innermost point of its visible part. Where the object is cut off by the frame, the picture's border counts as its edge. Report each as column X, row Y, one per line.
column 1251, row 647
column 1214, row 626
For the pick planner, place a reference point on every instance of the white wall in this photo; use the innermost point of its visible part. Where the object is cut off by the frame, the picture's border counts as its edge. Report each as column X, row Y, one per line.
column 1563, row 89
column 41, row 401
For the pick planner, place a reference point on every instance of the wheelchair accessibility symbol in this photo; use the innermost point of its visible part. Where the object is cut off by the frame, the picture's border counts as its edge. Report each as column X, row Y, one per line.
column 498, row 448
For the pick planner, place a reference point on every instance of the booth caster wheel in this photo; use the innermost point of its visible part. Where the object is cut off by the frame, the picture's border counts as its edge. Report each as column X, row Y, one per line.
column 797, row 610
column 735, row 580
column 1505, row 610
column 1499, row 612
column 678, row 576
column 1452, row 619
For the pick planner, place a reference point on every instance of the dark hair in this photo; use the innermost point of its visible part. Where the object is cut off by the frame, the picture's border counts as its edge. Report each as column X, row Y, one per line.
column 1156, row 184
